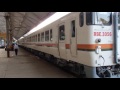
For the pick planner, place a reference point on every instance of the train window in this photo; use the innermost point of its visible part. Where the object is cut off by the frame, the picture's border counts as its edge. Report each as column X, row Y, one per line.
column 81, row 17
column 47, row 35
column 42, row 36
column 98, row 18
column 38, row 37
column 30, row 39
column 118, row 20
column 62, row 32
column 119, row 17
column 34, row 38
column 89, row 18
column 73, row 28
column 50, row 34
column 104, row 18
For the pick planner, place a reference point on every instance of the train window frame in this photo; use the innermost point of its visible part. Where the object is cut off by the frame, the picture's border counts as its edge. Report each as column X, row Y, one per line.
column 51, row 35
column 118, row 17
column 39, row 37
column 91, row 16
column 62, row 32
column 81, row 19
column 30, row 39
column 110, row 21
column 36, row 38
column 47, row 35
column 118, row 20
column 42, row 37
column 73, row 31
column 33, row 38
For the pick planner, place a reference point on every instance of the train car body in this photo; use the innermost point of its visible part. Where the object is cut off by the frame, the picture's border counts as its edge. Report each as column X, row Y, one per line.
column 84, row 42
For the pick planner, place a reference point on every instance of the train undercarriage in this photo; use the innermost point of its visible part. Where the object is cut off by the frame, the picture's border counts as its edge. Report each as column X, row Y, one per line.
column 79, row 70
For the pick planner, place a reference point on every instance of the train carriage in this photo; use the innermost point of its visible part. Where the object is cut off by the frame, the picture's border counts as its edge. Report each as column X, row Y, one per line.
column 86, row 43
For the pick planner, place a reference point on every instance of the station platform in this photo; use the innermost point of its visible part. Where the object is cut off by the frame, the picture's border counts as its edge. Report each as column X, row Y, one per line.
column 26, row 65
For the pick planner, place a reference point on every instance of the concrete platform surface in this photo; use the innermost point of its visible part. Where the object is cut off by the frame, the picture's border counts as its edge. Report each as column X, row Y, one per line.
column 26, row 65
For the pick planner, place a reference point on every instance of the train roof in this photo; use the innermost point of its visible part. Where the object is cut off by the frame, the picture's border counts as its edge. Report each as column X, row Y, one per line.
column 57, row 21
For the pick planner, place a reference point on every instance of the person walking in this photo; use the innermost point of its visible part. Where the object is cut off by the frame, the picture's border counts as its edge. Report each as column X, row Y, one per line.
column 16, row 49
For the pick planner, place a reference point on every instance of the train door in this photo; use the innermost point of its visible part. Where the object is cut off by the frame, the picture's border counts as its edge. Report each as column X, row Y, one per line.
column 73, row 45
column 117, row 37
column 62, row 48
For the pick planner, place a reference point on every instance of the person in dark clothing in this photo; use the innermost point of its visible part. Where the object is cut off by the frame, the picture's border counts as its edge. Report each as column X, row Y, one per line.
column 16, row 49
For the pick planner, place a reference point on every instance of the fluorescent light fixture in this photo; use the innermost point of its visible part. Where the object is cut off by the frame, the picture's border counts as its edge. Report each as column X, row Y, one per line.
column 49, row 20
column 20, row 38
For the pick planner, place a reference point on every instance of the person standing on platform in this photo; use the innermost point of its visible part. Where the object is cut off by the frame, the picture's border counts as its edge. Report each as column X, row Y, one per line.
column 16, row 49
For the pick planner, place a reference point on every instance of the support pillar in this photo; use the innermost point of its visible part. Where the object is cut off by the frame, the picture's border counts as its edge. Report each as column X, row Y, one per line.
column 8, row 34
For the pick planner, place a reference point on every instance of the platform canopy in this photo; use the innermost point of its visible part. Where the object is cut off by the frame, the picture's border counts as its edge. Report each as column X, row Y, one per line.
column 22, row 22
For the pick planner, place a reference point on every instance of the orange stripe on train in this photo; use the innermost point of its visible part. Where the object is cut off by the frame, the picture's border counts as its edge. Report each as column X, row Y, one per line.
column 79, row 46
column 91, row 46
column 67, row 46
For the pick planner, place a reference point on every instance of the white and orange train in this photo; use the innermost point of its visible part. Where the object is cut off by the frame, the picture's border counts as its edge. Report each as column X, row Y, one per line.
column 86, row 43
